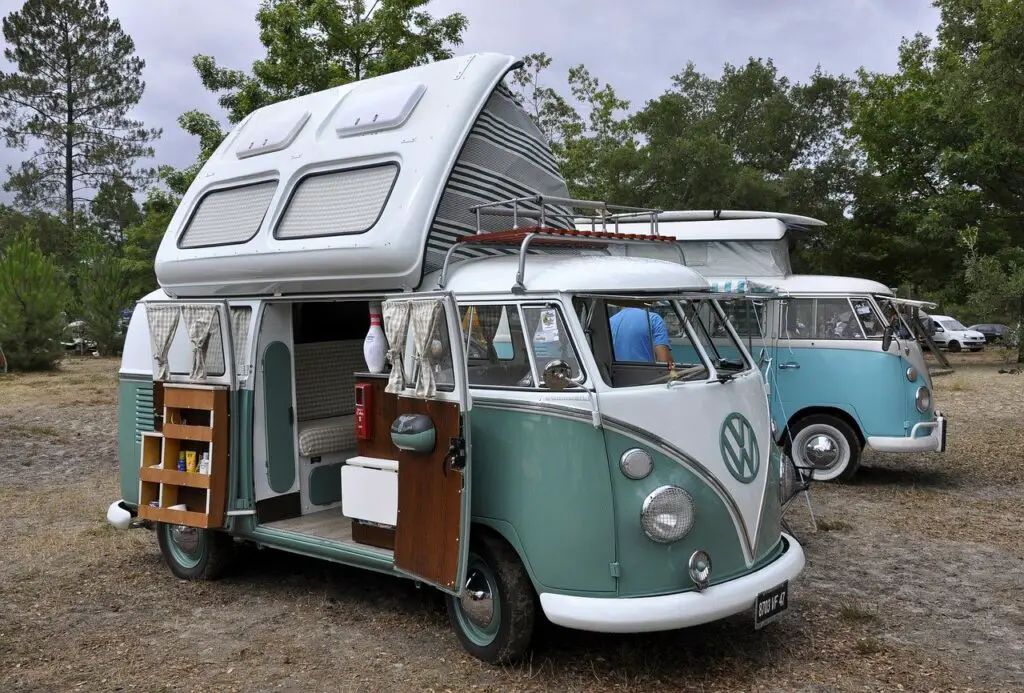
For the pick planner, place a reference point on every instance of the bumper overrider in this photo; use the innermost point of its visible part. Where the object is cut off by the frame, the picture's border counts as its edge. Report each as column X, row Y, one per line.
column 673, row 611
column 935, row 441
column 123, row 516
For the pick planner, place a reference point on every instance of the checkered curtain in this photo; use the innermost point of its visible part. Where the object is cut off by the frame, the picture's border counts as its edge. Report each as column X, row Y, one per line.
column 240, row 317
column 163, row 321
column 425, row 318
column 395, row 315
column 199, row 325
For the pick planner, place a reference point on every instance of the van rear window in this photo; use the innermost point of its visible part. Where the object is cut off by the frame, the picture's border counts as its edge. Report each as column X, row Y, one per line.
column 337, row 202
column 228, row 216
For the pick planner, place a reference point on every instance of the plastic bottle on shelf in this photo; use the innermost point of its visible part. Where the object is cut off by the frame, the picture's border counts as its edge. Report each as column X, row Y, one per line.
column 204, row 463
column 181, row 461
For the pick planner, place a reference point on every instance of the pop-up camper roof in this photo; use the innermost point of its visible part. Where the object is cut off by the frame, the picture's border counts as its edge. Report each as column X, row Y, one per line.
column 362, row 187
column 724, row 243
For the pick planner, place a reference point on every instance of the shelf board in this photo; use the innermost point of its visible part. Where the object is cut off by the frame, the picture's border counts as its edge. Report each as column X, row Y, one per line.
column 172, row 477
column 184, row 432
column 174, row 517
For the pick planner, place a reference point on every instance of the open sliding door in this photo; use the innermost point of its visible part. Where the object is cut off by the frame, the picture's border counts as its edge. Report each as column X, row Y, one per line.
column 429, row 430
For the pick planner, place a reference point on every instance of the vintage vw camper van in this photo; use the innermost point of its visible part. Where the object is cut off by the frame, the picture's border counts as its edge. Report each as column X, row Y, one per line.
column 547, row 478
column 841, row 373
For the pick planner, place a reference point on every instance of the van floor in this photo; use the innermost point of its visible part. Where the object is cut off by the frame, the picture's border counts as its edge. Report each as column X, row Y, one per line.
column 326, row 524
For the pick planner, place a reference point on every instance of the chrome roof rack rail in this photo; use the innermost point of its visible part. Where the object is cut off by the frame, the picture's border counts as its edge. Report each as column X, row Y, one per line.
column 545, row 210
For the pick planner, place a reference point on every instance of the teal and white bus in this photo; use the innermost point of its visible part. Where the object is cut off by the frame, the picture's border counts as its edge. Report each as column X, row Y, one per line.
column 521, row 482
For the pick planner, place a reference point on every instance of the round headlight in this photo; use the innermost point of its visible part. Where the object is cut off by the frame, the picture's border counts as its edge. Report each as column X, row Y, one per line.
column 923, row 399
column 911, row 374
column 667, row 514
column 636, row 463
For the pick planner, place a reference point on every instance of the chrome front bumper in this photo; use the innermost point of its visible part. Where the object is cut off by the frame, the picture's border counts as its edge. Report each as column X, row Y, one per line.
column 935, row 441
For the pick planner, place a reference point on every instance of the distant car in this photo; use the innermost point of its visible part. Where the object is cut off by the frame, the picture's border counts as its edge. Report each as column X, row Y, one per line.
column 993, row 332
column 954, row 336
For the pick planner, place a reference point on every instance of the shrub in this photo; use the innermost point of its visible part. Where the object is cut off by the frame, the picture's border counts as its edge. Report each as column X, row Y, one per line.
column 33, row 294
column 105, row 292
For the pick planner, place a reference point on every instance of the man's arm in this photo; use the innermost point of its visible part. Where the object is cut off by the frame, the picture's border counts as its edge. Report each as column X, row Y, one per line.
column 659, row 334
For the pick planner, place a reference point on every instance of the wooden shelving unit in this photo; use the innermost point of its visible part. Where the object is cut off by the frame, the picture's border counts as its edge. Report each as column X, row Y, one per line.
column 195, row 418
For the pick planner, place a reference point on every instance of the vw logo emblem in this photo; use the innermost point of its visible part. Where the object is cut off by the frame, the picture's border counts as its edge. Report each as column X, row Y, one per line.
column 739, row 448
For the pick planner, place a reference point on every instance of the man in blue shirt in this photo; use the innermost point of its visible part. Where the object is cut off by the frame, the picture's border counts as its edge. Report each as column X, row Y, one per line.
column 638, row 335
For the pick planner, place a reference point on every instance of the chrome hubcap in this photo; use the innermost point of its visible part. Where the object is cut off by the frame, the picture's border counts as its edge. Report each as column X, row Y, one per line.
column 187, row 538
column 822, row 451
column 477, row 601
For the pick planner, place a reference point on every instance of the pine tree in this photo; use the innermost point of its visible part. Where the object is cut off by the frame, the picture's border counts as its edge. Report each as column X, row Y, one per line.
column 32, row 297
column 77, row 78
column 105, row 290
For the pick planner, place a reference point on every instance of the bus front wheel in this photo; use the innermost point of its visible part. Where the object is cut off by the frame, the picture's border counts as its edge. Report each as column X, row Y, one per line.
column 826, row 444
column 194, row 554
column 494, row 618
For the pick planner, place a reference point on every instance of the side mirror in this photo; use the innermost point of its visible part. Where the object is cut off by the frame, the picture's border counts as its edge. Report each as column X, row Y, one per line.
column 887, row 337
column 557, row 375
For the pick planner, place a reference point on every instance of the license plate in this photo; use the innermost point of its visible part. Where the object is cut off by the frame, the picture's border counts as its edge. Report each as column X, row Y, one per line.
column 771, row 604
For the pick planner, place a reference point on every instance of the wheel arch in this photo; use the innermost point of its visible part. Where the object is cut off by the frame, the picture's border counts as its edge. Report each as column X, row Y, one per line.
column 837, row 412
column 507, row 533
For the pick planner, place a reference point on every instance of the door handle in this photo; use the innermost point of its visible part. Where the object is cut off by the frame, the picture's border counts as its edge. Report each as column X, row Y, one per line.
column 790, row 364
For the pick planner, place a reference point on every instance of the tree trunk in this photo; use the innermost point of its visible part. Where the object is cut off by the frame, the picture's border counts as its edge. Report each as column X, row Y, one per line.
column 69, row 174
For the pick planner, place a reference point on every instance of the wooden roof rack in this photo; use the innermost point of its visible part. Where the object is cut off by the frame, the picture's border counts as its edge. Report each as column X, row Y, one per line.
column 547, row 209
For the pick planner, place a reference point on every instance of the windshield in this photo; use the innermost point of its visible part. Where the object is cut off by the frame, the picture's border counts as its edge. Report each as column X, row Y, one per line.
column 645, row 341
column 952, row 324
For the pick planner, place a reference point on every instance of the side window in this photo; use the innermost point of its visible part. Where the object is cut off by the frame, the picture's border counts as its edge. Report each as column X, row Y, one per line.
column 492, row 336
column 550, row 338
column 869, row 320
column 836, row 320
column 798, row 319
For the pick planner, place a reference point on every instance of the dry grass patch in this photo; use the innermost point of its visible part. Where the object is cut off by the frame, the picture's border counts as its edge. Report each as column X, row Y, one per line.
column 80, row 380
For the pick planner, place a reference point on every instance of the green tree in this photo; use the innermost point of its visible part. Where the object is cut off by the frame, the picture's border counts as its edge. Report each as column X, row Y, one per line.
column 314, row 45
column 114, row 209
column 77, row 78
column 33, row 294
column 944, row 135
column 105, row 290
column 142, row 240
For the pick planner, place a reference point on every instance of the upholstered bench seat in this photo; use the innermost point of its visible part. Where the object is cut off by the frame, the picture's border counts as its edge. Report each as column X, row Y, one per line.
column 324, row 436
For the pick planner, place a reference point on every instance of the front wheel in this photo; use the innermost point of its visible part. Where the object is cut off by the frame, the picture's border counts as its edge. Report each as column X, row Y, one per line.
column 826, row 444
column 194, row 554
column 953, row 346
column 495, row 616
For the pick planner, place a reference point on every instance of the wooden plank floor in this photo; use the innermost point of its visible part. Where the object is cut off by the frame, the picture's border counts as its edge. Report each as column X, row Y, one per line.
column 326, row 524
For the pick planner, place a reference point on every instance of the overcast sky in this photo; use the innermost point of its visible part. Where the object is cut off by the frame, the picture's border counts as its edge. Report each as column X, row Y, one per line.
column 636, row 45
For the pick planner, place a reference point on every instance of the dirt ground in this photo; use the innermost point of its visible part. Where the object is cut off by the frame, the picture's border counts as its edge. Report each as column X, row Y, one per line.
column 914, row 581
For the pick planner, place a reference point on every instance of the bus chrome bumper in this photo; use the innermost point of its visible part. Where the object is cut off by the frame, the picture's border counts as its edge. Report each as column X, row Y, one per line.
column 672, row 611
column 935, row 441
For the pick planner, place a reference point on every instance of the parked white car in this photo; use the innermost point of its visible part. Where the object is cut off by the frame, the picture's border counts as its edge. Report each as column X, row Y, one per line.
column 951, row 334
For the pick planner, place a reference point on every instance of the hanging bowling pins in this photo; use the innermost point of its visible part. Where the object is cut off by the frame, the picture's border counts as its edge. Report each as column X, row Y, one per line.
column 375, row 346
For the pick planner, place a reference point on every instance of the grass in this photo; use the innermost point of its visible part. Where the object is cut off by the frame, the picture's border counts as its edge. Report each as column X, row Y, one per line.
column 855, row 614
column 834, row 526
column 868, row 646
column 79, row 381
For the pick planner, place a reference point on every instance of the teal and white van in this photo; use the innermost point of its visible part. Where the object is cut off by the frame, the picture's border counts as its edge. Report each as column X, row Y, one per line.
column 841, row 375
column 253, row 406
